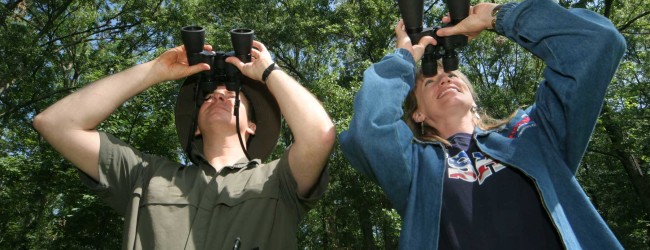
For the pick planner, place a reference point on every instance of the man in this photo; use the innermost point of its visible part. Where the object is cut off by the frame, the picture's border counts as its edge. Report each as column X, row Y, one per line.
column 222, row 201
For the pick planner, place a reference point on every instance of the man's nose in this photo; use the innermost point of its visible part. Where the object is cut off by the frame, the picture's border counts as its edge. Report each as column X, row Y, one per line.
column 218, row 96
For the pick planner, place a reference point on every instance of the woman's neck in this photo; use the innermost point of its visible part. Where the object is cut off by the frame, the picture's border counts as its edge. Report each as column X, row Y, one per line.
column 454, row 125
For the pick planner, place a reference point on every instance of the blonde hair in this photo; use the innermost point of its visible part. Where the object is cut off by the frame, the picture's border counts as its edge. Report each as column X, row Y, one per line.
column 424, row 132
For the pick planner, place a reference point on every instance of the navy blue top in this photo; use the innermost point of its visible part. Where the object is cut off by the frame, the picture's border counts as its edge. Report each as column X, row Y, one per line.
column 486, row 205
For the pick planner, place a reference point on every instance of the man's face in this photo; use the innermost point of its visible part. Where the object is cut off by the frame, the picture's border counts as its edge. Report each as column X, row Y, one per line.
column 216, row 112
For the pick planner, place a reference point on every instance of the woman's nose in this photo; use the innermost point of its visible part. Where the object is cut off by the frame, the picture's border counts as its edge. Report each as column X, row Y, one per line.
column 445, row 79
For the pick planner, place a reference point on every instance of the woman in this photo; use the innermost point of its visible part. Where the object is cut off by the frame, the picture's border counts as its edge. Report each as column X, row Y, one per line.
column 461, row 180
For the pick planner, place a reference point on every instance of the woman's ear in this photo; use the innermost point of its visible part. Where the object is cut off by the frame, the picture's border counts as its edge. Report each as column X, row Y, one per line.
column 417, row 116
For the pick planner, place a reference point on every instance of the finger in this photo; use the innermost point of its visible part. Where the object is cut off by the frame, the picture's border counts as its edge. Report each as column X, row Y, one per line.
column 235, row 61
column 259, row 46
column 180, row 49
column 446, row 19
column 418, row 50
column 473, row 10
column 448, row 31
column 399, row 28
column 197, row 68
column 400, row 33
column 255, row 53
column 426, row 40
column 207, row 47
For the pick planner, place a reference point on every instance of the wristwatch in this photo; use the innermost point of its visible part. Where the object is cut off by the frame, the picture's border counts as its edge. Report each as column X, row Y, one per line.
column 268, row 71
column 495, row 12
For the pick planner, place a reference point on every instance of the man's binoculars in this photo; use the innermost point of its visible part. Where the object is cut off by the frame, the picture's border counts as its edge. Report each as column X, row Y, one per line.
column 220, row 71
column 412, row 12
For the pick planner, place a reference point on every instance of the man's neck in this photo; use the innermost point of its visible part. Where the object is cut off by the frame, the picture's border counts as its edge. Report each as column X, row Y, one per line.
column 222, row 152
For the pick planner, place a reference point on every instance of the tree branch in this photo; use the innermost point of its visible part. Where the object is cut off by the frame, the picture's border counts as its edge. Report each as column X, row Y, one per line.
column 286, row 64
column 6, row 113
column 9, row 7
column 629, row 23
column 606, row 153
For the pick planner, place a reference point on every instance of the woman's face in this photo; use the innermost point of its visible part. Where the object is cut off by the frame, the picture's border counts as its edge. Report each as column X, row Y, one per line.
column 442, row 96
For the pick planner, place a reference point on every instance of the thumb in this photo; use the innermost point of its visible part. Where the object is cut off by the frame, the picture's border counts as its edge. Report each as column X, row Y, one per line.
column 448, row 31
column 418, row 50
column 426, row 40
column 197, row 68
column 235, row 61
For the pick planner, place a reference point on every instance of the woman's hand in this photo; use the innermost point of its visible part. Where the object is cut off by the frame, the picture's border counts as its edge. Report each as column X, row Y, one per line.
column 403, row 41
column 479, row 19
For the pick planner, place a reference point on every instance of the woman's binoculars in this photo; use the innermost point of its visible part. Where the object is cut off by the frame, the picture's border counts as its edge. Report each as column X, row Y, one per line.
column 412, row 12
column 220, row 71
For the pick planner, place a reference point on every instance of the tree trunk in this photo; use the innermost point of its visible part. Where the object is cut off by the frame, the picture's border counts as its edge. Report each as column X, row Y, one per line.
column 631, row 163
column 362, row 206
column 366, row 228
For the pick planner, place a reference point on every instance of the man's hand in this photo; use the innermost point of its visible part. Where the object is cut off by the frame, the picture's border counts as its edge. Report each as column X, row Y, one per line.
column 173, row 65
column 260, row 60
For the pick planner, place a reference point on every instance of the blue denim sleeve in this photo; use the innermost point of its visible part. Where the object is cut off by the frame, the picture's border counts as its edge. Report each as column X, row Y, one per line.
column 582, row 51
column 378, row 142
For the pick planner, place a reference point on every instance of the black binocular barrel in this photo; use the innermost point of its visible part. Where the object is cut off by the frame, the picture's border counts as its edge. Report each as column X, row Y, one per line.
column 450, row 61
column 429, row 62
column 458, row 10
column 193, row 39
column 412, row 12
column 242, row 43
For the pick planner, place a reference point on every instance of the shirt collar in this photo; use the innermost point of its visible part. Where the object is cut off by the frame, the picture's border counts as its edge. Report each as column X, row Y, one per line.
column 197, row 153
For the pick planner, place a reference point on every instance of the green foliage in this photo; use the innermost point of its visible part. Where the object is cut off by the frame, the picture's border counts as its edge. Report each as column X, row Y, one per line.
column 52, row 48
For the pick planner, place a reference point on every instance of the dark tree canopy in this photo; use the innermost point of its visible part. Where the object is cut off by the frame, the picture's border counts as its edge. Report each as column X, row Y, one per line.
column 52, row 48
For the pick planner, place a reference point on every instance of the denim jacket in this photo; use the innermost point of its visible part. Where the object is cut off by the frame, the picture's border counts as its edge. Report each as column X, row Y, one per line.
column 546, row 141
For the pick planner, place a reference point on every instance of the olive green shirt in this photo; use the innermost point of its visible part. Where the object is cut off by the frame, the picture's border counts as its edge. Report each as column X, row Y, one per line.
column 167, row 205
